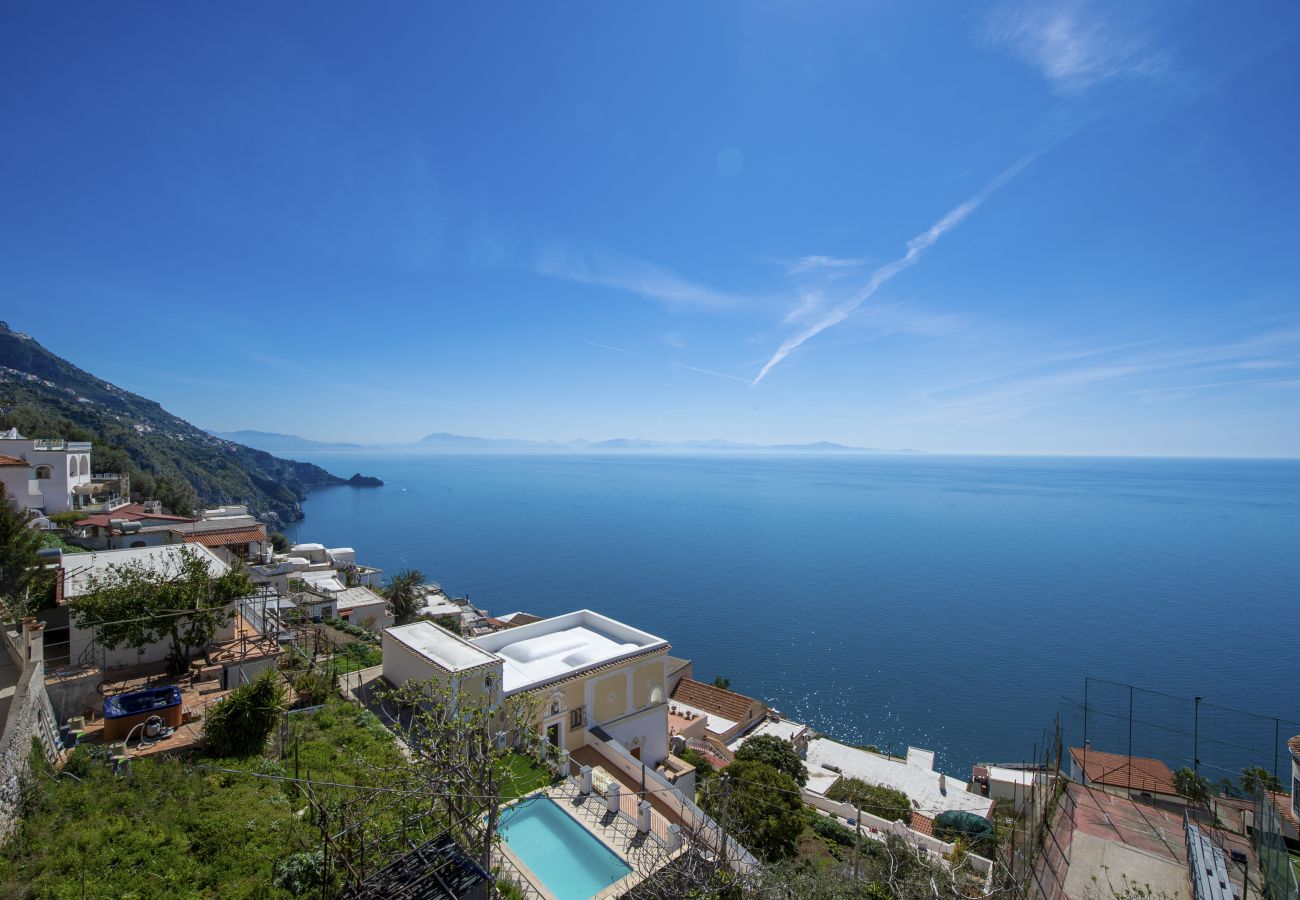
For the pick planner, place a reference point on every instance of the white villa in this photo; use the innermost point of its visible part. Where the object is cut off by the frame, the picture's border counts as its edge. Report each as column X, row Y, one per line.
column 598, row 679
column 48, row 476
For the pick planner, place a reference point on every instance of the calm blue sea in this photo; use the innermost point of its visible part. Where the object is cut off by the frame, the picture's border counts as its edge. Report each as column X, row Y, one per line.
column 955, row 603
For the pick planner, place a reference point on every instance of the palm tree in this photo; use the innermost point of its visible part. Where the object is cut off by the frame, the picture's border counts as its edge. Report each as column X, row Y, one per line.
column 1253, row 777
column 404, row 596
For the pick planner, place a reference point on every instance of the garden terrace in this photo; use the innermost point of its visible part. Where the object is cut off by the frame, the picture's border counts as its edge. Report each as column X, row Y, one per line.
column 195, row 826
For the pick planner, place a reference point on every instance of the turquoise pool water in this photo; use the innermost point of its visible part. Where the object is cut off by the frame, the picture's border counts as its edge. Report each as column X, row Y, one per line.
column 572, row 862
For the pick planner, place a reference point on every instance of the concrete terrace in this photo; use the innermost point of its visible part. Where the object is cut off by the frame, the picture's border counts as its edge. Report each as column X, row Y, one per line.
column 931, row 792
column 1107, row 839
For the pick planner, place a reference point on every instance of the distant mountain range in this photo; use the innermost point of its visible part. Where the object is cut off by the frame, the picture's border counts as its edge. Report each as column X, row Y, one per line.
column 273, row 442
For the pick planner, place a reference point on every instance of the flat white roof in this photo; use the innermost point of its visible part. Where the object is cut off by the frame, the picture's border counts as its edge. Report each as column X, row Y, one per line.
column 451, row 652
column 439, row 605
column 915, row 777
column 784, row 729
column 1012, row 776
column 558, row 647
column 79, row 567
column 350, row 598
column 324, row 580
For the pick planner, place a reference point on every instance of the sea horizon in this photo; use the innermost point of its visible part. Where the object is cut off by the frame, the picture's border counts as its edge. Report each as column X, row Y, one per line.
column 841, row 587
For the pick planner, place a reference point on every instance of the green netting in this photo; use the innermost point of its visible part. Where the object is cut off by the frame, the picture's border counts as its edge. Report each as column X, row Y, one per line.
column 965, row 825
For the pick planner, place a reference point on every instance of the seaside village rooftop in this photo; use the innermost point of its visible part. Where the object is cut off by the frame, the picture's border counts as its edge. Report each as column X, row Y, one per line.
column 631, row 733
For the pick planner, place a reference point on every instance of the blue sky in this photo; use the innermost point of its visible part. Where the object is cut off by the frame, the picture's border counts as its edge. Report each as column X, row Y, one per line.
column 1055, row 227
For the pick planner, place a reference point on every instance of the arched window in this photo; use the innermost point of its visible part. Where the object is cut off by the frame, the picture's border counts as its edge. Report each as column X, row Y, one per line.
column 43, row 472
column 85, row 464
column 74, row 466
column 137, row 543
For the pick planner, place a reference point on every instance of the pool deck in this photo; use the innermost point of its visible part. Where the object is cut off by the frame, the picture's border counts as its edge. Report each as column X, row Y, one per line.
column 640, row 851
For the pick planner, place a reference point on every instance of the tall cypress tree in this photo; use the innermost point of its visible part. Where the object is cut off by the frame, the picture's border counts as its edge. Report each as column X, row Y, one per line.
column 20, row 570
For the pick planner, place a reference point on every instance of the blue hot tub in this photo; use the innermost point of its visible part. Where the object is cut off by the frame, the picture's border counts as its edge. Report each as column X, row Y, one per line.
column 124, row 711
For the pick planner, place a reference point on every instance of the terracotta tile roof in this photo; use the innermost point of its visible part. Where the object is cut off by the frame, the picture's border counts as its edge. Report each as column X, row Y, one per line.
column 923, row 824
column 1294, row 746
column 1114, row 769
column 225, row 537
column 132, row 512
column 731, row 706
column 14, row 461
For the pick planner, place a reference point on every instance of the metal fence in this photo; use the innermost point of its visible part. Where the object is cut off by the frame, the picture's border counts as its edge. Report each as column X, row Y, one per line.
column 1274, row 860
column 1214, row 740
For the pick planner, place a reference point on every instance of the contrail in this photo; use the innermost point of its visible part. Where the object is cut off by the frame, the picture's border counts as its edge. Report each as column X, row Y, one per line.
column 602, row 346
column 915, row 248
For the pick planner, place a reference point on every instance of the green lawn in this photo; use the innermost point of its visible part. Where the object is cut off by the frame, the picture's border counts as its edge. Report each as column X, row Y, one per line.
column 522, row 775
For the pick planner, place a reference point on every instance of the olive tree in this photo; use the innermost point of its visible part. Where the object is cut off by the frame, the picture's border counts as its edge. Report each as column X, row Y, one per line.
column 461, row 747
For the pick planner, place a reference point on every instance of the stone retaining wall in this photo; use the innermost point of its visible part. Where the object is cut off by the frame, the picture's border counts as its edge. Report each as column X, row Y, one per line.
column 30, row 716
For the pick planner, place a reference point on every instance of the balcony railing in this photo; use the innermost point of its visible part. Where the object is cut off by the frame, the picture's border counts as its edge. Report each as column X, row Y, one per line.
column 75, row 446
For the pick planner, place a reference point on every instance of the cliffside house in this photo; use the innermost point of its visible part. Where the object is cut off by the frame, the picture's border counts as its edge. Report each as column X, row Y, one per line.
column 54, row 476
column 1137, row 777
column 598, row 683
column 1288, row 805
column 229, row 531
column 703, row 712
column 237, row 651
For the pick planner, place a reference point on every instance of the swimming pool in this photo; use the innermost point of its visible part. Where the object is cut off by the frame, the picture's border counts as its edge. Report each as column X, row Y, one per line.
column 570, row 860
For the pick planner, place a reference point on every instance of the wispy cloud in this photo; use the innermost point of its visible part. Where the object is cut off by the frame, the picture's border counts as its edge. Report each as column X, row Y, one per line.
column 916, row 248
column 602, row 346
column 1075, row 44
column 596, row 264
column 810, row 302
column 1148, row 370
column 809, row 265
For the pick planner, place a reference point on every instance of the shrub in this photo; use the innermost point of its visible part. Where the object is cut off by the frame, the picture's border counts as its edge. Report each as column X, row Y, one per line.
column 301, row 873
column 832, row 830
column 878, row 800
column 778, row 754
column 312, row 687
column 703, row 768
column 241, row 724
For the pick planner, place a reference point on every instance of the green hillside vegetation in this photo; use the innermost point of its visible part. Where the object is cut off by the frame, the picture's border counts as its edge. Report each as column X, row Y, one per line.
column 168, row 459
column 173, row 829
